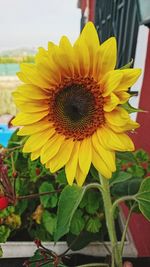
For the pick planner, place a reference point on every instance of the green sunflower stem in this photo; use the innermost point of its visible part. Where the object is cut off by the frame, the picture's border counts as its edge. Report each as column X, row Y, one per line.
column 116, row 257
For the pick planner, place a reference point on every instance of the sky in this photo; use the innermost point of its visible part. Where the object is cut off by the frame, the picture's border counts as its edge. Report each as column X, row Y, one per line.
column 32, row 23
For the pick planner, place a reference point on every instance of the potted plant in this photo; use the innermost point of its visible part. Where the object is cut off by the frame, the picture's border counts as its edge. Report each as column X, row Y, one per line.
column 35, row 213
column 75, row 112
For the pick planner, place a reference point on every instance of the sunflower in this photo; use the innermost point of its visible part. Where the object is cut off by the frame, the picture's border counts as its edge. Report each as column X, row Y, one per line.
column 71, row 106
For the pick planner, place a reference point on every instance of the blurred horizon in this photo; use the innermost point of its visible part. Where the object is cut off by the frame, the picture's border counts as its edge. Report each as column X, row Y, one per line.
column 26, row 25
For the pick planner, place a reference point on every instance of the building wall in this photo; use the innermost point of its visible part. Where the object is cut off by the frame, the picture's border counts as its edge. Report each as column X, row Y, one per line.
column 142, row 136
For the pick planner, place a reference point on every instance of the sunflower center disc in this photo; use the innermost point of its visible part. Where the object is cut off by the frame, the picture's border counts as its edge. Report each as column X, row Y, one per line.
column 77, row 103
column 77, row 109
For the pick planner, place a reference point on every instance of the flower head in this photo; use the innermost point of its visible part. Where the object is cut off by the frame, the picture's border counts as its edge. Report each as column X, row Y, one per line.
column 71, row 106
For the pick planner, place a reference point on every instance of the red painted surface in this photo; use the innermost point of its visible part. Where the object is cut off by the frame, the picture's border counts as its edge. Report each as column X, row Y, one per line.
column 139, row 226
column 140, row 229
column 91, row 10
column 83, row 5
column 142, row 137
column 91, row 5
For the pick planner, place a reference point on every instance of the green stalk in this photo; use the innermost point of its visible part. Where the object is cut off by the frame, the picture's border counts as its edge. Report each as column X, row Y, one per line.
column 108, row 207
column 126, row 228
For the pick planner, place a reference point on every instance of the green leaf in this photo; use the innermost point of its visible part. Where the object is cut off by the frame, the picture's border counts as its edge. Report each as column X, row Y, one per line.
column 143, row 198
column 128, row 65
column 39, row 232
column 6, row 212
column 50, row 200
column 129, row 156
column 94, row 173
column 21, row 164
column 142, row 155
column 134, row 186
column 49, row 221
column 93, row 225
column 120, row 177
column 21, row 206
column 120, row 189
column 77, row 223
column 69, row 200
column 92, row 204
column 83, row 202
column 82, row 241
column 137, row 171
column 61, row 178
column 131, row 109
column 22, row 186
column 33, row 166
column 4, row 233
column 14, row 139
column 128, row 187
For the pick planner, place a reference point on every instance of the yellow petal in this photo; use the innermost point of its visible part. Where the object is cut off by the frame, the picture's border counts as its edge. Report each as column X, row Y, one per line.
column 33, row 75
column 35, row 154
column 110, row 82
column 65, row 44
column 118, row 116
column 108, row 55
column 42, row 64
column 114, row 141
column 42, row 53
column 47, row 74
column 23, row 77
column 107, row 156
column 82, row 56
column 100, row 165
column 25, row 119
column 32, row 92
column 111, row 102
column 37, row 140
column 97, row 66
column 90, row 36
column 51, row 47
column 130, row 76
column 68, row 49
column 62, row 157
column 71, row 165
column 62, row 60
column 80, row 176
column 85, row 155
column 26, row 105
column 130, row 125
column 51, row 147
column 34, row 128
column 123, row 96
column 48, row 69
column 45, row 63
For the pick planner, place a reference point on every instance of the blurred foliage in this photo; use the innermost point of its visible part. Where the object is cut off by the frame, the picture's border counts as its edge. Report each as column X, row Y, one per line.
column 18, row 59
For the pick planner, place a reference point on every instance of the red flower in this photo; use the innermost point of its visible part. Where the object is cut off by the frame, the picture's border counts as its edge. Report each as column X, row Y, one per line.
column 3, row 202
